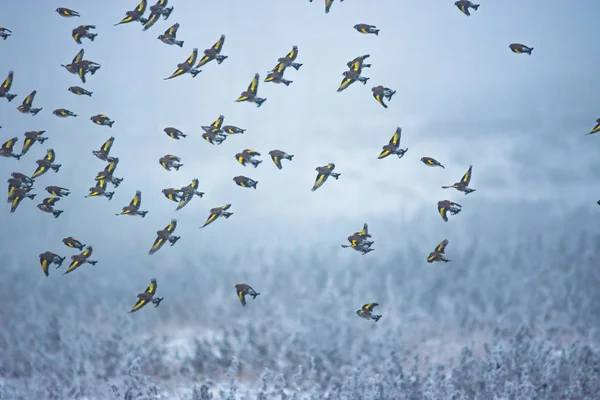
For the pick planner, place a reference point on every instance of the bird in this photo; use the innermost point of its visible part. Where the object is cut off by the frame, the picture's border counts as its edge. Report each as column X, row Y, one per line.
column 251, row 94
column 63, row 113
column 244, row 181
column 170, row 36
column 65, row 12
column 232, row 130
column 520, row 48
column 163, row 236
column 107, row 174
column 174, row 133
column 464, row 5
column 135, row 14
column 100, row 190
column 134, row 206
column 6, row 85
column 73, row 243
column 83, row 31
column 169, row 161
column 438, row 254
column 447, row 206
column 187, row 193
column 247, row 156
column 323, row 173
column 393, row 147
column 431, row 162
column 147, row 297
column 46, row 163
column 216, row 213
column 278, row 155
column 5, row 33
column 26, row 106
column 79, row 259
column 366, row 312
column 463, row 185
column 48, row 258
column 47, row 206
column 244, row 290
column 58, row 191
column 7, row 149
column 214, row 53
column 596, row 128
column 79, row 91
column 186, row 66
column 380, row 93
column 367, row 29
column 103, row 153
column 102, row 120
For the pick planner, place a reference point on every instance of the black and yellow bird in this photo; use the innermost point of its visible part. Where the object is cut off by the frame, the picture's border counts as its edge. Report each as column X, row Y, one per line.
column 277, row 156
column 133, row 208
column 380, row 93
column 102, row 120
column 596, row 128
column 188, row 192
column 247, row 156
column 463, row 185
column 100, row 190
column 65, row 12
column 173, row 194
column 363, row 248
column 58, row 191
column 156, row 11
column 78, row 260
column 23, row 179
column 431, row 162
column 464, row 5
column 288, row 61
column 13, row 184
column 361, row 237
column 353, row 75
column 366, row 312
column 251, row 94
column 48, row 258
column 328, row 4
column 80, row 91
column 187, row 66
column 216, row 126
column 214, row 138
column 393, row 147
column 46, row 163
column 81, row 67
column 367, row 29
column 63, row 113
column 244, row 290
column 359, row 61
column 323, row 173
column 136, row 14
column 107, row 174
column 7, row 149
column 244, row 181
column 73, row 243
column 18, row 195
column 438, row 254
column 26, row 106
column 174, row 133
column 277, row 77
column 216, row 213
column 232, row 130
column 447, row 206
column 163, row 236
column 169, row 161
column 103, row 153
column 214, row 53
column 47, row 206
column 147, row 297
column 519, row 48
column 83, row 31
column 170, row 36
column 5, row 33
column 6, row 85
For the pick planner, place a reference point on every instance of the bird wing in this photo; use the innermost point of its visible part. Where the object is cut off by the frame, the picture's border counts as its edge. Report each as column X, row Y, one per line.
column 78, row 57
column 241, row 296
column 141, row 8
column 15, row 203
column 29, row 99
column 345, row 83
column 40, row 170
column 177, row 73
column 50, row 201
column 210, row 219
column 110, row 168
column 10, row 144
column 218, row 123
column 369, row 306
column 218, row 46
column 172, row 31
column 596, row 128
column 45, row 264
column 431, row 258
column 107, row 145
column 172, row 226
column 395, row 140
column 191, row 60
column 277, row 162
column 195, row 183
column 365, row 230
column 443, row 213
column 8, row 82
column 101, row 183
column 253, row 87
column 158, row 243
column 87, row 252
column 136, row 201
column 184, row 202
column 278, row 69
column 292, row 54
column 384, row 153
column 151, row 20
column 151, row 289
column 328, row 4
column 73, row 266
column 319, row 181
column 76, row 35
column 140, row 303
column 356, row 65
column 442, row 246
column 466, row 179
column 464, row 9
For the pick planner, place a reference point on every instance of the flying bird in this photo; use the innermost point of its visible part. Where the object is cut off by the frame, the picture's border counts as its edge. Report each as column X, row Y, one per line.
column 244, row 290
column 79, row 259
column 380, row 93
column 464, row 5
column 596, row 128
column 107, row 174
column 81, row 67
column 65, row 12
column 353, row 75
column 102, row 120
column 46, row 163
column 463, row 185
column 83, row 31
column 188, row 192
column 7, row 149
column 214, row 137
column 247, row 156
column 26, row 106
column 170, row 36
column 103, row 153
column 24, row 179
column 174, row 133
column 14, row 184
column 47, row 206
column 232, row 130
column 360, row 238
column 134, row 206
column 438, row 254
column 6, row 85
column 73, row 243
column 359, row 62
column 163, row 236
column 48, row 258
column 79, row 91
column 215, row 126
column 173, row 194
column 147, row 297
column 323, row 173
column 277, row 77
column 186, row 66
column 214, row 53
column 100, row 190
column 169, row 161
column 288, row 61
column 244, row 181
column 431, row 162
column 364, row 248
column 250, row 95
column 135, row 15
column 366, row 312
column 328, row 4
column 278, row 155
column 63, row 113
column 216, row 213
column 156, row 11
column 5, row 33
column 393, row 147
column 17, row 195
column 367, row 29
column 520, row 48
column 58, row 191
column 447, row 206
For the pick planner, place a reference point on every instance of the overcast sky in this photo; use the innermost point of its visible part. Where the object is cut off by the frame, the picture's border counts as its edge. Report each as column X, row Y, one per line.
column 462, row 98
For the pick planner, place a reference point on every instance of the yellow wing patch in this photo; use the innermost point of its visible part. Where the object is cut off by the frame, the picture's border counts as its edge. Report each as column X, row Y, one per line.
column 140, row 303
column 384, row 154
column 45, row 264
column 345, row 83
column 210, row 219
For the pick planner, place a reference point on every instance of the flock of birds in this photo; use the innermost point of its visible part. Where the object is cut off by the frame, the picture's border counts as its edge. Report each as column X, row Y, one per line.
column 20, row 185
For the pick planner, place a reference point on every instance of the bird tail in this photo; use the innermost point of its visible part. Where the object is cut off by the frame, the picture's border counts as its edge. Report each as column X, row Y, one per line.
column 376, row 32
column 110, row 195
column 254, row 295
column 475, row 6
column 57, row 213
column 530, row 50
column 56, row 167
column 10, row 97
column 110, row 124
column 377, row 317
column 179, row 43
column 254, row 185
column 93, row 36
column 289, row 156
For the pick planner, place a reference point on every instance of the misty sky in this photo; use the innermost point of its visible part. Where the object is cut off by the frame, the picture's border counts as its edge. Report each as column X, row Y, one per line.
column 462, row 98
